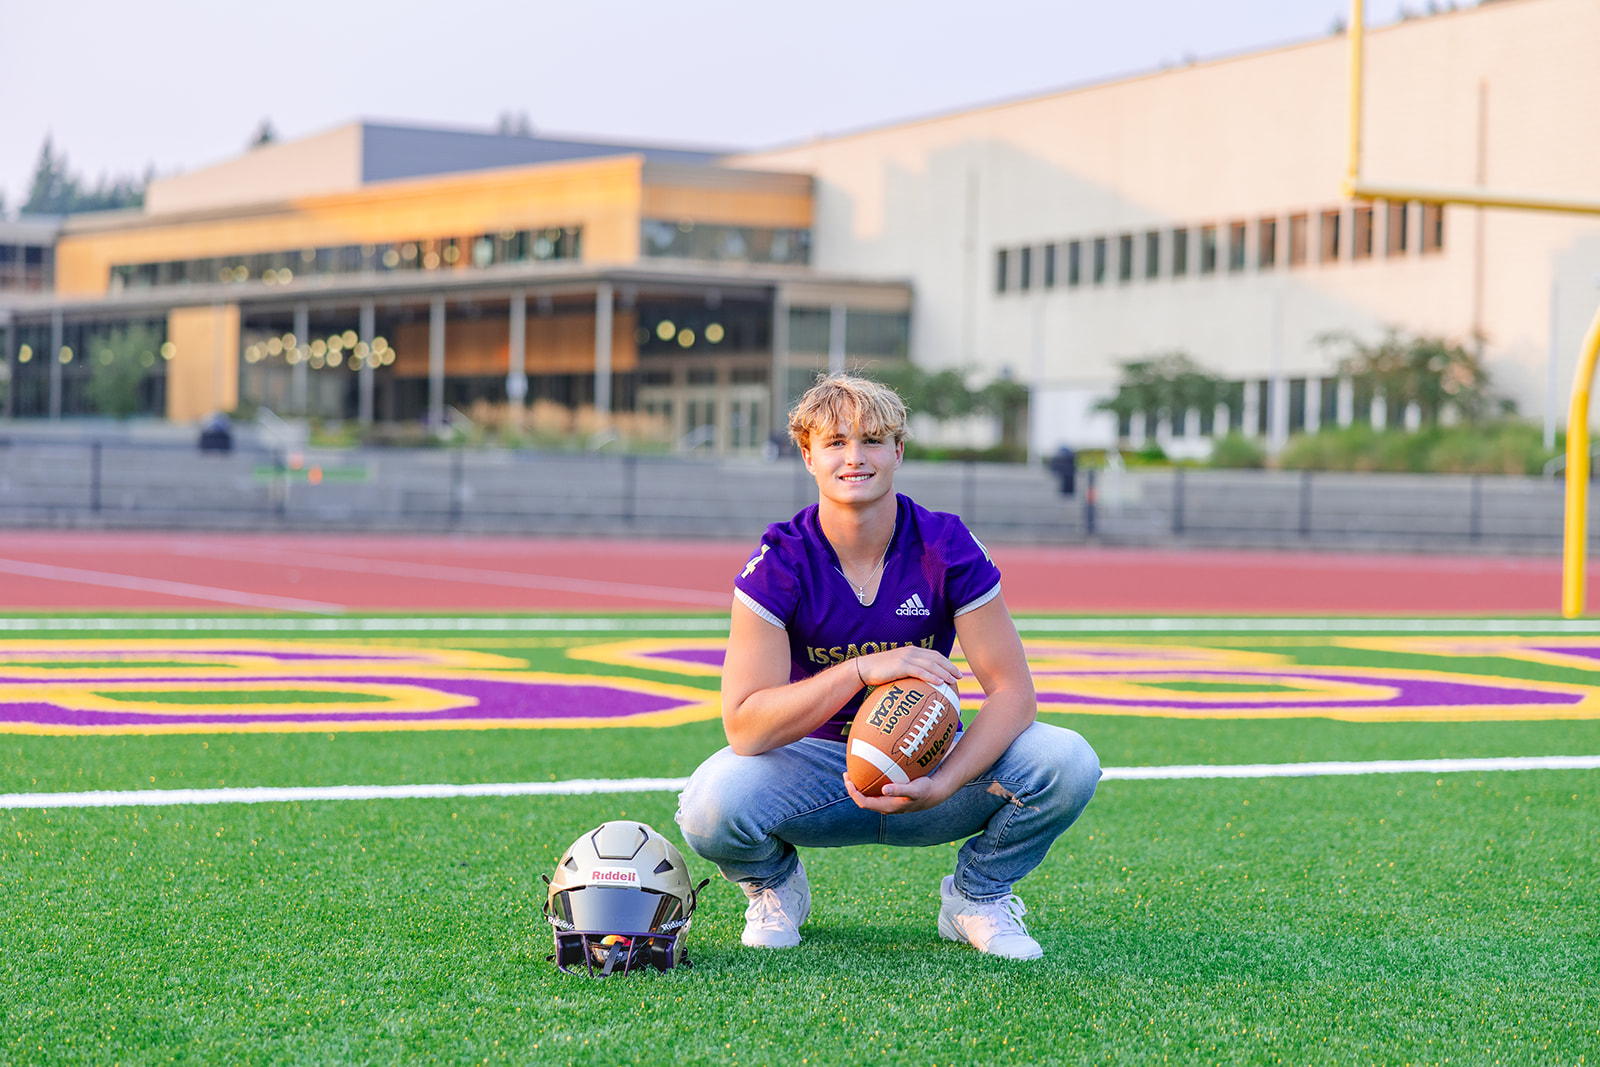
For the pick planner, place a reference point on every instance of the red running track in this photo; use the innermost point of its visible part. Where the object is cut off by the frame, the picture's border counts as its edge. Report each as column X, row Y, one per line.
column 78, row 571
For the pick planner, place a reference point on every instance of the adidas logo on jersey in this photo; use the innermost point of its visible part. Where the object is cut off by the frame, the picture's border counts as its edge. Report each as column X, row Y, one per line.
column 913, row 606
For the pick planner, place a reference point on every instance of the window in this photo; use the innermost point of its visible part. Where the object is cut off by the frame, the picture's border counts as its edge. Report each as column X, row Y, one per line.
column 1025, row 269
column 1432, row 228
column 1074, row 263
column 1396, row 234
column 877, row 333
column 1152, row 254
column 809, row 329
column 1361, row 234
column 1208, row 250
column 1299, row 239
column 1180, row 253
column 686, row 239
column 1125, row 257
column 1266, row 244
column 1050, row 266
column 1099, row 260
column 1329, row 250
column 1236, row 235
column 1297, row 405
column 1000, row 270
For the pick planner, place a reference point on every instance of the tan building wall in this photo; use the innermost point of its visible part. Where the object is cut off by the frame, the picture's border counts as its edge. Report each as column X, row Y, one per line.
column 600, row 196
column 319, row 164
column 203, row 374
column 606, row 198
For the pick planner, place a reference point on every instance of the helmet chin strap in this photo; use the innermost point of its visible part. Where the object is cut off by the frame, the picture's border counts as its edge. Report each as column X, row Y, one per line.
column 619, row 949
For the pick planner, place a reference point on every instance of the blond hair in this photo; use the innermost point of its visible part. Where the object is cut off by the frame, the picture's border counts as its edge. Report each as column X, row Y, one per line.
column 848, row 401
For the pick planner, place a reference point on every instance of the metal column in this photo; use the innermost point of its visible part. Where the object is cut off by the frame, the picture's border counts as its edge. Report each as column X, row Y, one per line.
column 8, row 354
column 517, row 372
column 836, row 324
column 364, row 377
column 780, row 359
column 436, row 362
column 602, row 350
column 300, row 376
column 57, row 342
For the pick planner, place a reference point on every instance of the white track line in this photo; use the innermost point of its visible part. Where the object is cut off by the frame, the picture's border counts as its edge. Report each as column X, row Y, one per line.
column 586, row 786
column 167, row 588
column 450, row 573
column 1388, row 766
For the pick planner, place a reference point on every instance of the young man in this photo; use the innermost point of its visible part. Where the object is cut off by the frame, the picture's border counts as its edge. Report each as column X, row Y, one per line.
column 865, row 588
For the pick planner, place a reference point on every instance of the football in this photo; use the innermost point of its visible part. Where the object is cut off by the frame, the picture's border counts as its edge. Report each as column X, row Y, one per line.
column 902, row 731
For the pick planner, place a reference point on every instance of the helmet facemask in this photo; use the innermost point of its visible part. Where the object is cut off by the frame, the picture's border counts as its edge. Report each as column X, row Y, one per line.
column 622, row 901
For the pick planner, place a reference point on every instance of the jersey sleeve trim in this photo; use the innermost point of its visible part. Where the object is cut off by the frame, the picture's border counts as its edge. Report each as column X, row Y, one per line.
column 974, row 605
column 750, row 602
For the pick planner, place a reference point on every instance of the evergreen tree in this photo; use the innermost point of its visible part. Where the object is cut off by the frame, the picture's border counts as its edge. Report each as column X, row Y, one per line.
column 57, row 191
column 53, row 189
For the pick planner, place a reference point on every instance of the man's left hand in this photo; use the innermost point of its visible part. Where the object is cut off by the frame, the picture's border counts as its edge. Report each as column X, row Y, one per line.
column 917, row 795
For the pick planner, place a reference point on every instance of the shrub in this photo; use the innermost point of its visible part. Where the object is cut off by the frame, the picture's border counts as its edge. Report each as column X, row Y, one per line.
column 1510, row 447
column 1237, row 451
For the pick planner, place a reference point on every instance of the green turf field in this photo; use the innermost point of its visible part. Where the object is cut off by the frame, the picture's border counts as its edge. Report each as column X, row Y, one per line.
column 1393, row 918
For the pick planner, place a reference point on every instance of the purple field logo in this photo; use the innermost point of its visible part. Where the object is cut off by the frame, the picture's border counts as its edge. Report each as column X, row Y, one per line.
column 1122, row 677
column 279, row 686
column 218, row 686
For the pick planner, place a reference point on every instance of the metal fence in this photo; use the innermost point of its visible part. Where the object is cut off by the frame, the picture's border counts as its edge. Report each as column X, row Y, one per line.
column 164, row 485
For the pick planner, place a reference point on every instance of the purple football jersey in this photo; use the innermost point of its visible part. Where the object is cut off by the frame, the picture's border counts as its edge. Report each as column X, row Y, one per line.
column 935, row 569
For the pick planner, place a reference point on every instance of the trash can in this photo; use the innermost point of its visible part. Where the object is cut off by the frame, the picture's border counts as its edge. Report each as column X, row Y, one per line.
column 1064, row 465
column 216, row 434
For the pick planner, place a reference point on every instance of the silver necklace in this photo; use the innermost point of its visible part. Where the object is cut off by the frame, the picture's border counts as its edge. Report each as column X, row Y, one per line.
column 861, row 590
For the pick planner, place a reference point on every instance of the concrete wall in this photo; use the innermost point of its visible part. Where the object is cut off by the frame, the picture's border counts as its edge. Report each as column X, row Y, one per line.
column 1504, row 92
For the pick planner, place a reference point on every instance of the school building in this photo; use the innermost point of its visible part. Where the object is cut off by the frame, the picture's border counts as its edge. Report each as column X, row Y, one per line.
column 387, row 274
column 383, row 273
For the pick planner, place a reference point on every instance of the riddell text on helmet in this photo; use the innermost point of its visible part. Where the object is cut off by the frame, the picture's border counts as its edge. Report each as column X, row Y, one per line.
column 613, row 876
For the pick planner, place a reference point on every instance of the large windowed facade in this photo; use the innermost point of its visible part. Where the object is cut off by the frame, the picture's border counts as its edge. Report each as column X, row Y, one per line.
column 638, row 285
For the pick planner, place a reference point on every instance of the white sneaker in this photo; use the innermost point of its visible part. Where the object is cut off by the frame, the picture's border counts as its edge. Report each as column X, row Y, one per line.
column 775, row 915
column 995, row 927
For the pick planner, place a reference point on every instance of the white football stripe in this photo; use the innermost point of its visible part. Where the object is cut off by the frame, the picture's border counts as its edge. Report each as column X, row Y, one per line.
column 109, row 798
column 295, row 794
column 1396, row 766
column 878, row 759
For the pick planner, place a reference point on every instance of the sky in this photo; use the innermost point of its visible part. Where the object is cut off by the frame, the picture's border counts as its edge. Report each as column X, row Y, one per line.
column 173, row 85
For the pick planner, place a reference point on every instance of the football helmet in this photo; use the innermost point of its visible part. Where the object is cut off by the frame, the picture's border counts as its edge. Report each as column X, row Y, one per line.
column 621, row 899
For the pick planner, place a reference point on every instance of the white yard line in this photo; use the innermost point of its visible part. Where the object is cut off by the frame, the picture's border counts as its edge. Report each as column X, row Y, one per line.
column 586, row 786
column 189, row 590
column 445, row 572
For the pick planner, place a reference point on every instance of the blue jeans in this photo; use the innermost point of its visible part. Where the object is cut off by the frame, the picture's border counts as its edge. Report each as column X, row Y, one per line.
column 747, row 814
